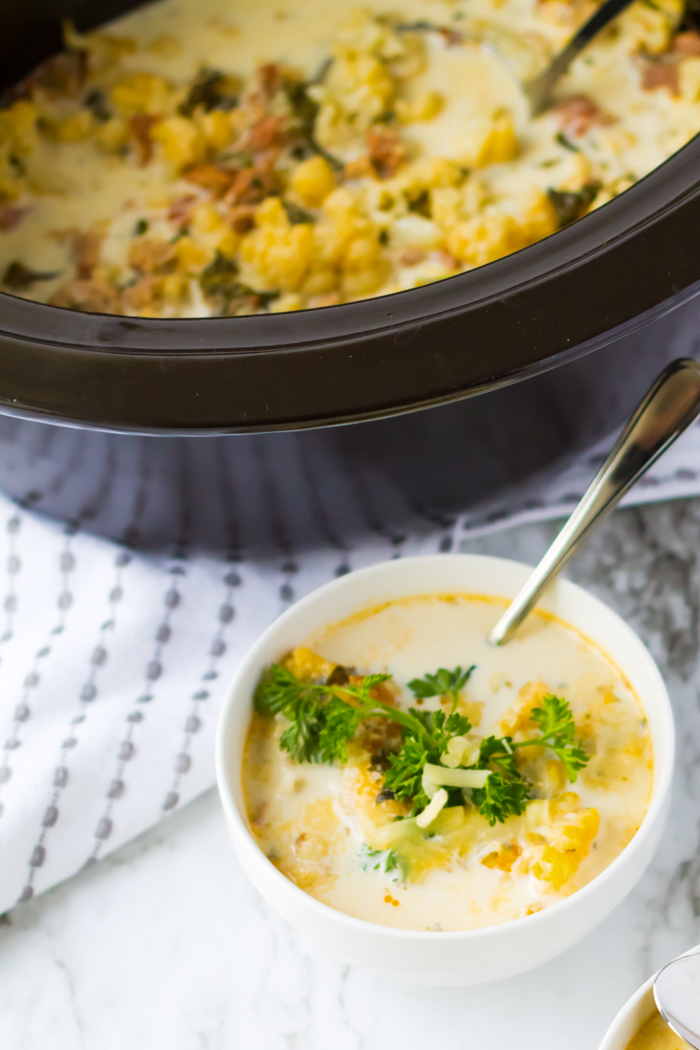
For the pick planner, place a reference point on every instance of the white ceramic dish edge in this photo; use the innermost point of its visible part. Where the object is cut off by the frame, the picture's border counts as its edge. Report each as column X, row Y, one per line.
column 473, row 956
column 638, row 1009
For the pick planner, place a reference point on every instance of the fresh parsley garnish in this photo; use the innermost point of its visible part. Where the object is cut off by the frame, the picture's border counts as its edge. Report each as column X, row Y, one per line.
column 385, row 861
column 321, row 720
column 502, row 797
column 323, row 716
column 556, row 724
column 442, row 683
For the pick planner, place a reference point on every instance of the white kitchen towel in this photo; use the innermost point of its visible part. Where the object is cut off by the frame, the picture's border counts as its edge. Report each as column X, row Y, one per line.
column 113, row 664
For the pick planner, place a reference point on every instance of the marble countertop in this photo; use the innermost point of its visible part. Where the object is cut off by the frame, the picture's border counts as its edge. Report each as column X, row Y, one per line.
column 166, row 945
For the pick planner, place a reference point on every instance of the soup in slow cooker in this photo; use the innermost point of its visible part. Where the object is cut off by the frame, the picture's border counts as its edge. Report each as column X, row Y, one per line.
column 222, row 158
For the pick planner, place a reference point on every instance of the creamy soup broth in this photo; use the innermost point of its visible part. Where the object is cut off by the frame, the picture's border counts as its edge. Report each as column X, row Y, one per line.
column 217, row 157
column 320, row 823
column 655, row 1034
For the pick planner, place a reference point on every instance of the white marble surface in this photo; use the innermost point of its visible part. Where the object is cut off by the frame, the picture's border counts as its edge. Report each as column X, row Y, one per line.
column 165, row 944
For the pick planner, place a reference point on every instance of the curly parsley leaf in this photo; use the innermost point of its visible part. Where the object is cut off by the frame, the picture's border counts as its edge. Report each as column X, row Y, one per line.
column 322, row 717
column 442, row 683
column 556, row 724
column 444, row 727
column 301, row 737
column 385, row 861
column 501, row 798
column 340, row 724
column 497, row 754
column 405, row 773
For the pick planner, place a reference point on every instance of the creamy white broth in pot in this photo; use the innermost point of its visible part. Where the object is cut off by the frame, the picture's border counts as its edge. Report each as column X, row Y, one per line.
column 563, row 803
column 222, row 158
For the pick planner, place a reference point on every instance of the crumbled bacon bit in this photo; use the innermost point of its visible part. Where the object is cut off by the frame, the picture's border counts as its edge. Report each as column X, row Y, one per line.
column 63, row 75
column 143, row 294
column 359, row 168
column 386, row 151
column 450, row 36
column 411, row 257
column 85, row 247
column 579, row 113
column 266, row 133
column 259, row 814
column 140, row 128
column 448, row 260
column 687, row 45
column 380, row 735
column 150, row 256
column 241, row 217
column 252, row 185
column 180, row 210
column 660, row 74
column 88, row 296
column 211, row 177
column 269, row 80
column 11, row 217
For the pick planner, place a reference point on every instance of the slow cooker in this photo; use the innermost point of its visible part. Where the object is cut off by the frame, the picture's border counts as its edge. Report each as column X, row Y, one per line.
column 277, row 432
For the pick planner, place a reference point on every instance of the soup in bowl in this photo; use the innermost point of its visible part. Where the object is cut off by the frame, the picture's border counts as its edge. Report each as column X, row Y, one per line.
column 429, row 805
column 640, row 1026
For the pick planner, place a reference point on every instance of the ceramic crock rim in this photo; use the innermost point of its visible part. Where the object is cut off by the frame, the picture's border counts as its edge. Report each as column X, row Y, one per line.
column 233, row 815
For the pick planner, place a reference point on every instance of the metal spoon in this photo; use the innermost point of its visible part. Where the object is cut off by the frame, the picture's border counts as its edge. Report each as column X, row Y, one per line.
column 539, row 89
column 671, row 405
column 677, row 995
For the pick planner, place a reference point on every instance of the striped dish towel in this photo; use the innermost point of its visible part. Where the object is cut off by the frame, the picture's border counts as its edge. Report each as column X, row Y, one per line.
column 113, row 663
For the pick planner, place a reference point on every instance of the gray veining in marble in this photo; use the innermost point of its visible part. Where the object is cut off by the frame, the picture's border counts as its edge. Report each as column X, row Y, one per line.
column 165, row 944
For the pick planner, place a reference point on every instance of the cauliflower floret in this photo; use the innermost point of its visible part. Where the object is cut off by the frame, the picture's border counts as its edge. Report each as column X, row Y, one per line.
column 313, row 180
column 489, row 140
column 570, row 832
column 276, row 254
column 306, row 664
column 181, row 141
column 75, row 129
column 484, row 238
column 648, row 28
column 142, row 93
column 359, row 87
column 18, row 139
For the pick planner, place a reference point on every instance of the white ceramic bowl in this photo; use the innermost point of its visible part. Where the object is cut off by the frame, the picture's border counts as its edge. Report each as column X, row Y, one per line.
column 638, row 1009
column 471, row 956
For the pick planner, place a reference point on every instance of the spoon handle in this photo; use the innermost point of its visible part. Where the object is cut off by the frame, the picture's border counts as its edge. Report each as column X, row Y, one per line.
column 671, row 405
column 540, row 88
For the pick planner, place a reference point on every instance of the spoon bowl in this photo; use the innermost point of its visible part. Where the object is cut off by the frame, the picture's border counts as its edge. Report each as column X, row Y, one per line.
column 677, row 995
column 670, row 406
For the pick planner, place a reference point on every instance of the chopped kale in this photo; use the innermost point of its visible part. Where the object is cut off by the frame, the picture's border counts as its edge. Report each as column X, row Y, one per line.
column 220, row 285
column 561, row 138
column 305, row 111
column 96, row 102
column 421, row 204
column 571, row 206
column 18, row 277
column 211, row 90
column 297, row 215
